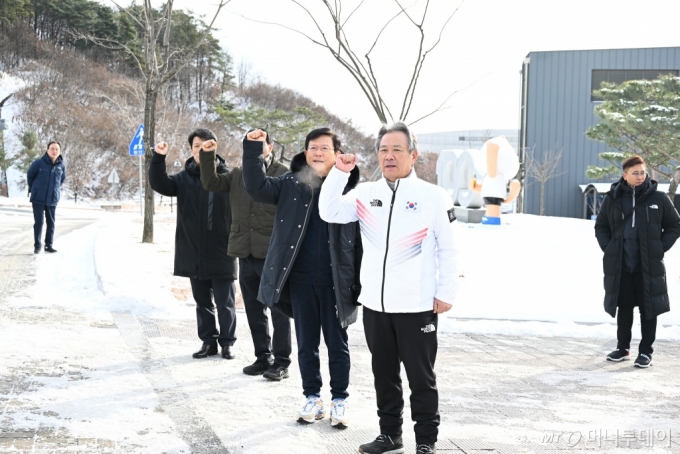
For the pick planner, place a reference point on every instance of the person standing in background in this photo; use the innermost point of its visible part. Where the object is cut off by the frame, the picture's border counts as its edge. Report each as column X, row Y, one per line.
column 45, row 177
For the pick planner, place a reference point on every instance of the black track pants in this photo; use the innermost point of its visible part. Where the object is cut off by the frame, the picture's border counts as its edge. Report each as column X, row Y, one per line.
column 410, row 338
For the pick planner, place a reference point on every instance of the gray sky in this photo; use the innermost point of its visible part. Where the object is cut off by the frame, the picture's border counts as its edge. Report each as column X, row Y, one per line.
column 480, row 54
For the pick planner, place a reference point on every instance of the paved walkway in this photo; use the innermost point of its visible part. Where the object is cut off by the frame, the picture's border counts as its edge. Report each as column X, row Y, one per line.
column 500, row 394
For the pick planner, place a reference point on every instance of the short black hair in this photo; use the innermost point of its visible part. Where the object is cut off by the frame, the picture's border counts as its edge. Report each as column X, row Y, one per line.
column 201, row 133
column 324, row 132
column 53, row 141
column 267, row 138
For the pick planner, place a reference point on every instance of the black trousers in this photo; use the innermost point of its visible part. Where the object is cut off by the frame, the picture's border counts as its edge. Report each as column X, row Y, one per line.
column 314, row 312
column 631, row 294
column 249, row 275
column 42, row 213
column 224, row 292
column 410, row 338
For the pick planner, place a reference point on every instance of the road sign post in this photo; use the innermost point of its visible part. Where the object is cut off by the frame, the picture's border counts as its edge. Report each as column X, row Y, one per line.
column 177, row 165
column 137, row 149
column 113, row 179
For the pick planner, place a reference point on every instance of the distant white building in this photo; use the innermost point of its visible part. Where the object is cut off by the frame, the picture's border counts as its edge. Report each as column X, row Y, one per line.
column 437, row 141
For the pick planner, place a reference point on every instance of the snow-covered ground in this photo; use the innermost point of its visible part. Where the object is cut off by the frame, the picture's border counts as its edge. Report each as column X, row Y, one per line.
column 513, row 278
column 533, row 276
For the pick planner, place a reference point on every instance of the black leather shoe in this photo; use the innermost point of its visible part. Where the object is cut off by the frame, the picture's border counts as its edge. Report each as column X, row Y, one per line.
column 50, row 249
column 257, row 368
column 226, row 352
column 205, row 351
column 276, row 373
column 36, row 250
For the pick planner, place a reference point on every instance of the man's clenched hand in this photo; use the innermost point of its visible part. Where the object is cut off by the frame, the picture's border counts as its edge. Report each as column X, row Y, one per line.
column 346, row 162
column 209, row 145
column 257, row 134
column 161, row 148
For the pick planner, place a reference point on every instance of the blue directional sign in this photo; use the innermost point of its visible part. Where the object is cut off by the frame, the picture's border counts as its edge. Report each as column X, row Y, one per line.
column 137, row 144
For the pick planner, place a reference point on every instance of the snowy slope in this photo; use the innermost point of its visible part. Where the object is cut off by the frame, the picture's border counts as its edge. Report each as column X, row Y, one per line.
column 11, row 84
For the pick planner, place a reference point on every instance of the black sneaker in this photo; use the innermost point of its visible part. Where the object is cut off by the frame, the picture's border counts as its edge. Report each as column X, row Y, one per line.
column 383, row 444
column 425, row 449
column 643, row 361
column 50, row 249
column 257, row 368
column 36, row 250
column 276, row 373
column 618, row 355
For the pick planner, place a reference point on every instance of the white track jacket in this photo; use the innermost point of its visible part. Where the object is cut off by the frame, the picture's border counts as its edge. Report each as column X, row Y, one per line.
column 408, row 240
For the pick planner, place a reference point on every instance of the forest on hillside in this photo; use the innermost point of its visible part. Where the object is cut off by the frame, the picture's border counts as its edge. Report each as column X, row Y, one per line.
column 91, row 97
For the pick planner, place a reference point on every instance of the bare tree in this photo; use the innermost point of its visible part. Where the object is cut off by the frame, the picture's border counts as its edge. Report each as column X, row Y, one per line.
column 4, row 162
column 338, row 44
column 158, row 63
column 542, row 169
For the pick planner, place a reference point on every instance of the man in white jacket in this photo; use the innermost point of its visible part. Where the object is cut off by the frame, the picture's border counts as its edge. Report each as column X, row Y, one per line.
column 408, row 277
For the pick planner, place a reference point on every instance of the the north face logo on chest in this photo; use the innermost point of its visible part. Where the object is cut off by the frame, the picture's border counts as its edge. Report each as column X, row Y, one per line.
column 376, row 203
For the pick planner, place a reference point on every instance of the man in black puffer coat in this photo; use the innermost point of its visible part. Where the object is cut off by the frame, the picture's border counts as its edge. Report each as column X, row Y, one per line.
column 635, row 227
column 201, row 242
column 319, row 263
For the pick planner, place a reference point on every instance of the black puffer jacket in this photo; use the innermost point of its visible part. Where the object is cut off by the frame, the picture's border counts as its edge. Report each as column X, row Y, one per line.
column 292, row 194
column 659, row 227
column 203, row 221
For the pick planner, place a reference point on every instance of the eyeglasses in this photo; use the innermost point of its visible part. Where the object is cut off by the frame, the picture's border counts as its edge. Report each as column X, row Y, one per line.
column 639, row 174
column 324, row 149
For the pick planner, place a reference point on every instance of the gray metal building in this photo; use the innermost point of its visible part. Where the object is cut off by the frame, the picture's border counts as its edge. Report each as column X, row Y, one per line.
column 557, row 107
column 437, row 141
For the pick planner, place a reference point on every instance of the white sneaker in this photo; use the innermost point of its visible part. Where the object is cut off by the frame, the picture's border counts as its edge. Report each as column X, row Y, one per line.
column 312, row 410
column 339, row 417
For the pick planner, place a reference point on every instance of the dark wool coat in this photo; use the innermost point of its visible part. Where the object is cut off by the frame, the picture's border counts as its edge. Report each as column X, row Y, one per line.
column 659, row 227
column 292, row 194
column 251, row 222
column 44, row 179
column 203, row 220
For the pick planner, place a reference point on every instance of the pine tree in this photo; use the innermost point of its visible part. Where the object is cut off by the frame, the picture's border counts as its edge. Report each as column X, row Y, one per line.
column 640, row 117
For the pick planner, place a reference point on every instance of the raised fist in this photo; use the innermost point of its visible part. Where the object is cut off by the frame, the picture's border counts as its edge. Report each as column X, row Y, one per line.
column 209, row 145
column 346, row 162
column 257, row 134
column 161, row 148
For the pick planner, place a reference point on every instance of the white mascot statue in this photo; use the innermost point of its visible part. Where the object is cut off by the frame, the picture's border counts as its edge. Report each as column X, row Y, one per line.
column 498, row 163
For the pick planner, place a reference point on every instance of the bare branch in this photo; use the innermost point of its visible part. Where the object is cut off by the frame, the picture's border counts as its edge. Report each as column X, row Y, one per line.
column 355, row 63
column 189, row 54
column 351, row 13
column 125, row 10
column 410, row 93
column 2, row 103
column 358, row 76
column 282, row 26
column 440, row 108
column 110, row 44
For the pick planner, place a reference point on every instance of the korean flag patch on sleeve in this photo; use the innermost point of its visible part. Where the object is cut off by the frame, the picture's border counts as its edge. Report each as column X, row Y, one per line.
column 452, row 215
